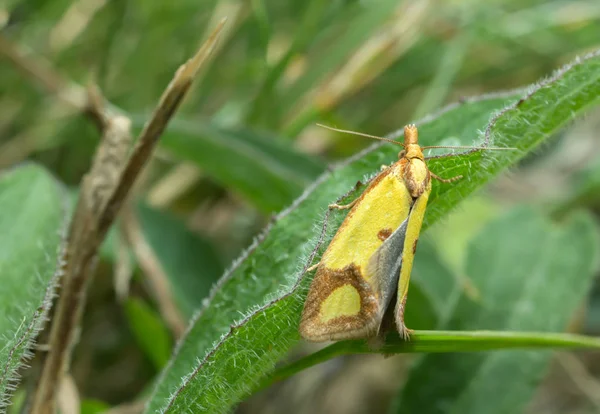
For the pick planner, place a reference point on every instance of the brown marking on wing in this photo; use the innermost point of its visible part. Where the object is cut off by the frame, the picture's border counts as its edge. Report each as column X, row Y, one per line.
column 362, row 325
column 384, row 234
column 414, row 250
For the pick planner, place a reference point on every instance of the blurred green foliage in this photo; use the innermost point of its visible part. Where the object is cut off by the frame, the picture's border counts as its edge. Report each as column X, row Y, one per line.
column 244, row 146
column 31, row 243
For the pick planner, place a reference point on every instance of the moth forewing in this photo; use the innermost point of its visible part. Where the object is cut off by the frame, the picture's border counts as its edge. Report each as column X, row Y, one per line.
column 344, row 301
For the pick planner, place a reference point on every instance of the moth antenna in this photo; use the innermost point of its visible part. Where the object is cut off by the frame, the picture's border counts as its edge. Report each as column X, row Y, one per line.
column 467, row 147
column 345, row 131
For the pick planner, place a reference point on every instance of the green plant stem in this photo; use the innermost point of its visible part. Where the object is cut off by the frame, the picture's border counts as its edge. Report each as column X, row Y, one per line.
column 438, row 342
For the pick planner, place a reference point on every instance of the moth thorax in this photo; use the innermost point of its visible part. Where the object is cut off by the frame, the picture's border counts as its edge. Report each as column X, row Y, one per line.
column 413, row 151
column 416, row 176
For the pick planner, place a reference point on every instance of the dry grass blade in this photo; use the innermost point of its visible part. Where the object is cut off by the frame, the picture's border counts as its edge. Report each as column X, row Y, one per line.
column 173, row 185
column 73, row 23
column 136, row 407
column 41, row 71
column 583, row 380
column 155, row 274
column 68, row 400
column 369, row 61
column 123, row 268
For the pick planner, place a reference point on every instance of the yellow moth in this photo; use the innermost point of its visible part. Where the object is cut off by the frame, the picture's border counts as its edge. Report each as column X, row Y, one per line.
column 370, row 258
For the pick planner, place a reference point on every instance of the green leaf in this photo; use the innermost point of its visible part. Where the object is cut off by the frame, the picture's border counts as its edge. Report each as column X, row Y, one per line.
column 264, row 170
column 432, row 286
column 190, row 261
column 150, row 331
column 251, row 319
column 454, row 234
column 17, row 401
column 531, row 275
column 93, row 406
column 33, row 219
column 585, row 189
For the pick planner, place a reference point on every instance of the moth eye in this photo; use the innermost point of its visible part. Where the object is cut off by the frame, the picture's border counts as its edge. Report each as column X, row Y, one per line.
column 401, row 154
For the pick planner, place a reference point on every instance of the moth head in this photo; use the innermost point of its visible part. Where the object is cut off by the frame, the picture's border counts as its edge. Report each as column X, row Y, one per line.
column 411, row 142
column 411, row 135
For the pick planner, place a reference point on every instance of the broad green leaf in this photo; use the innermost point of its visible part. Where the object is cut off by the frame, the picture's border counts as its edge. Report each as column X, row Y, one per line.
column 150, row 331
column 453, row 235
column 585, row 189
column 432, row 283
column 17, row 401
column 531, row 275
column 264, row 170
column 33, row 219
column 190, row 261
column 251, row 319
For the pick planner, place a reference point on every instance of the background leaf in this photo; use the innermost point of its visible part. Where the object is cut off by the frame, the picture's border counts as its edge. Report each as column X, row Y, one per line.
column 531, row 282
column 432, row 288
column 150, row 331
column 93, row 407
column 278, row 172
column 191, row 262
column 33, row 219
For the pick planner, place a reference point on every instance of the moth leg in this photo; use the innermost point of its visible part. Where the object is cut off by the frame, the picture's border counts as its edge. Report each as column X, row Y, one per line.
column 445, row 180
column 313, row 267
column 343, row 206
column 402, row 329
